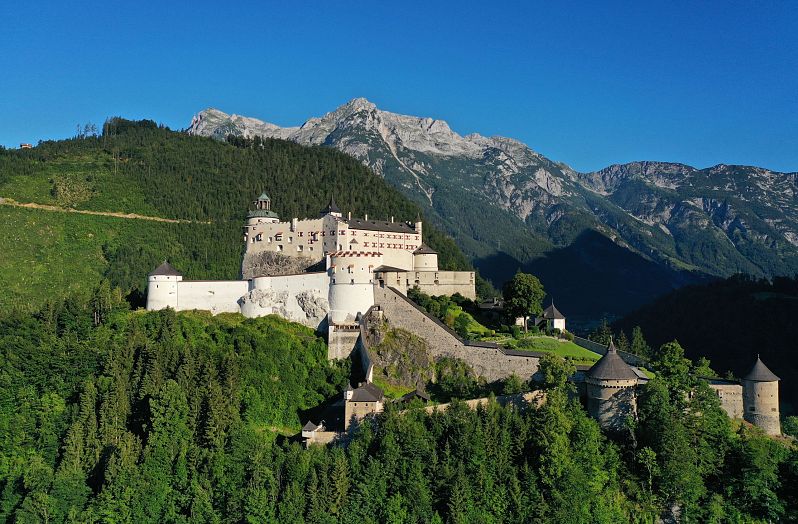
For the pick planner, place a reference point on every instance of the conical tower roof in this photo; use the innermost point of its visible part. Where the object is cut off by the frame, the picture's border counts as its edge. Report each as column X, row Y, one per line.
column 332, row 207
column 264, row 196
column 611, row 367
column 424, row 249
column 760, row 373
column 552, row 312
column 166, row 269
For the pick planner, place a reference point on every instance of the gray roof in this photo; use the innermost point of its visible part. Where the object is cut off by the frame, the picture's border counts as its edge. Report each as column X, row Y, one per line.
column 611, row 367
column 167, row 270
column 367, row 393
column 332, row 207
column 310, row 426
column 416, row 393
column 262, row 213
column 760, row 373
column 388, row 269
column 552, row 312
column 380, row 225
column 424, row 249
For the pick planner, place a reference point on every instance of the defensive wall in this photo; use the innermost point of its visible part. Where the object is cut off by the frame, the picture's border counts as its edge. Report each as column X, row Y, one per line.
column 486, row 358
column 432, row 282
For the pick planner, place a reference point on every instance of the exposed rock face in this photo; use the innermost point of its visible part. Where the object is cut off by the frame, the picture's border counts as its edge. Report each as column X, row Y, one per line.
column 315, row 307
column 306, row 307
column 403, row 359
column 269, row 263
column 498, row 197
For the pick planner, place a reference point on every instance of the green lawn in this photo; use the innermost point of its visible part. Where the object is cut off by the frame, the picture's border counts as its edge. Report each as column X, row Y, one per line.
column 563, row 348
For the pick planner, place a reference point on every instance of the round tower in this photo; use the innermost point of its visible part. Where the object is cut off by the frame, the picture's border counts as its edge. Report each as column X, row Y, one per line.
column 761, row 398
column 425, row 259
column 351, row 283
column 162, row 286
column 610, row 385
column 262, row 212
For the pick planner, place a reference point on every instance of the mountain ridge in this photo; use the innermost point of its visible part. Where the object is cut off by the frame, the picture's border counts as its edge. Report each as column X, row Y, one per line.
column 497, row 196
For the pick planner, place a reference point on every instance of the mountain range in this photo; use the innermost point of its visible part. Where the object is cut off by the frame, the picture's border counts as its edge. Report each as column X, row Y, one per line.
column 602, row 242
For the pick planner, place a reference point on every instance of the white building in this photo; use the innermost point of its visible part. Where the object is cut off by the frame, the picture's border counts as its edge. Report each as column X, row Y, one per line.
column 551, row 319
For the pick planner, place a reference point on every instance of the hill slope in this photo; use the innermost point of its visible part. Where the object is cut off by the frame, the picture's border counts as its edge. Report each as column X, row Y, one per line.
column 505, row 203
column 136, row 167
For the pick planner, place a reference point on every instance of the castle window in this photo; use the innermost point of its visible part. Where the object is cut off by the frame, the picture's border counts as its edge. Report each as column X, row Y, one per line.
column 353, row 281
column 299, row 248
column 290, row 239
column 279, row 247
column 301, row 233
column 342, row 232
column 310, row 248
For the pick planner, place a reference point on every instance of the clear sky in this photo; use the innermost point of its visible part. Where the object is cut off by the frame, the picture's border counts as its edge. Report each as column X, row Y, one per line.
column 588, row 84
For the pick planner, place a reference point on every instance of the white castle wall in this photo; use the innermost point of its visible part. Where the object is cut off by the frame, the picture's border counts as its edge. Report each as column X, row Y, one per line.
column 301, row 298
column 216, row 296
column 432, row 282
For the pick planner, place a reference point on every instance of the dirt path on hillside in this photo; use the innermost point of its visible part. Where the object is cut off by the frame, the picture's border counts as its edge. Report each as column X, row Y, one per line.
column 31, row 205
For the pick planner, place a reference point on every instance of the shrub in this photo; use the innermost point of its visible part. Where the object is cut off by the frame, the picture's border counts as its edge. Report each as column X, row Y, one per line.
column 516, row 331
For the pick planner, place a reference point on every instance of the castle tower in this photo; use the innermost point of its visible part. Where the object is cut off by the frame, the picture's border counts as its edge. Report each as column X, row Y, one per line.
column 162, row 287
column 262, row 212
column 425, row 259
column 761, row 398
column 611, row 390
column 351, row 283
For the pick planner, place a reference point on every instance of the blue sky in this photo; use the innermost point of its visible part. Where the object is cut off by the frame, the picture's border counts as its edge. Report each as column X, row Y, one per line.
column 588, row 84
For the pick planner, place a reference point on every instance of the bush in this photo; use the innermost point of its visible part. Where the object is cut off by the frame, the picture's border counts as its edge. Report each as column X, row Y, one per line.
column 516, row 331
column 567, row 335
column 534, row 330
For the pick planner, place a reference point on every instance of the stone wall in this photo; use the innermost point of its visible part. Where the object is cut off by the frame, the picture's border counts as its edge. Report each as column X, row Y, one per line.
column 761, row 405
column 487, row 360
column 730, row 395
column 341, row 341
column 610, row 402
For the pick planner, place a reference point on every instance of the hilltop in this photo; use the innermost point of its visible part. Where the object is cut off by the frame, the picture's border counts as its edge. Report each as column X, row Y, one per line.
column 508, row 206
column 191, row 196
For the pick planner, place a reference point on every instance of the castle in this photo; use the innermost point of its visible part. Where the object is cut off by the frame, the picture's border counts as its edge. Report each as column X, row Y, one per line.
column 278, row 277
column 368, row 266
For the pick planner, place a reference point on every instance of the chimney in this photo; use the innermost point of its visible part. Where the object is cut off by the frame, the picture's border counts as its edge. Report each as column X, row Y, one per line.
column 366, row 217
column 349, row 216
column 391, row 218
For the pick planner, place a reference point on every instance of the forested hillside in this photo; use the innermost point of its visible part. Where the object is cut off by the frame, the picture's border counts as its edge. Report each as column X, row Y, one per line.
column 730, row 322
column 110, row 415
column 138, row 167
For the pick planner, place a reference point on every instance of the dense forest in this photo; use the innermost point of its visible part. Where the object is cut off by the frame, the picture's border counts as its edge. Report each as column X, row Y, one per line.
column 113, row 415
column 730, row 322
column 139, row 167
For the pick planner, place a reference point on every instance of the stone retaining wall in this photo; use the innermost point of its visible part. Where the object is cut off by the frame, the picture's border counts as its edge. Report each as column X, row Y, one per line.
column 488, row 360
